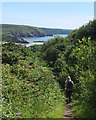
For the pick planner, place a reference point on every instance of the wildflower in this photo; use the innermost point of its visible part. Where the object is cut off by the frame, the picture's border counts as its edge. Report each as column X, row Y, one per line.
column 10, row 102
column 16, row 108
column 13, row 89
column 18, row 113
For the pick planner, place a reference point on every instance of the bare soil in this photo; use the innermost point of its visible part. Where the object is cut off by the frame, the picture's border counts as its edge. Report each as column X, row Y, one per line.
column 68, row 111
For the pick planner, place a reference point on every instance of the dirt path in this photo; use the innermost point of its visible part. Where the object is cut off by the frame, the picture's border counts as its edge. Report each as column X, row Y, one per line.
column 68, row 111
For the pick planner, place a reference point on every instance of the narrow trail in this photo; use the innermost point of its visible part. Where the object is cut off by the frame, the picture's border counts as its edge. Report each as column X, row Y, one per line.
column 68, row 111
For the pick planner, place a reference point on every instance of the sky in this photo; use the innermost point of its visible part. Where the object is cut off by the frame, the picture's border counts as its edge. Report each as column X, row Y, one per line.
column 66, row 15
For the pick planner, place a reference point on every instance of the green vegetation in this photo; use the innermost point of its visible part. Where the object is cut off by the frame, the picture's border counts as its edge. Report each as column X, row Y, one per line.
column 75, row 57
column 88, row 30
column 50, row 31
column 13, row 33
column 7, row 37
column 30, row 31
column 29, row 86
column 22, row 30
column 85, row 54
column 34, row 77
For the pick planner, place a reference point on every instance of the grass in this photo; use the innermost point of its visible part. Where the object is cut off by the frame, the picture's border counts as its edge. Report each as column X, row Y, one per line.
column 57, row 112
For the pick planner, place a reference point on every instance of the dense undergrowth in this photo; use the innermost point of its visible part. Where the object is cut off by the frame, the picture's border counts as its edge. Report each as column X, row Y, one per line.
column 29, row 88
column 32, row 77
column 77, row 58
column 85, row 54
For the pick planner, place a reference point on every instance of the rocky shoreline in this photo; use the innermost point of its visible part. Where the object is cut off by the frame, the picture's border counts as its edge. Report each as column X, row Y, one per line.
column 12, row 38
column 19, row 40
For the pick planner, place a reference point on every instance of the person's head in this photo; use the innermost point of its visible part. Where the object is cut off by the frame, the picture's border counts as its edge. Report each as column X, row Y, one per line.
column 69, row 78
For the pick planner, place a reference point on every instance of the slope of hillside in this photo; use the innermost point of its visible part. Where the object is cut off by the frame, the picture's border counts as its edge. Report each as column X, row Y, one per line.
column 22, row 30
column 12, row 33
column 29, row 88
column 88, row 30
column 29, row 31
column 76, row 56
column 7, row 37
column 51, row 31
column 32, row 77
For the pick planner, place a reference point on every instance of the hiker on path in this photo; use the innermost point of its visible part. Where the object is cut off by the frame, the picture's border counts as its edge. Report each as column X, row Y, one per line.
column 69, row 85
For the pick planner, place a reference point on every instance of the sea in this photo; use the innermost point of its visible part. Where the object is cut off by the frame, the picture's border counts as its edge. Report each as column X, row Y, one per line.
column 40, row 40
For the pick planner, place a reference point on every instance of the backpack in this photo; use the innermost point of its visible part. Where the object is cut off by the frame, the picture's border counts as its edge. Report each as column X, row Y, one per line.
column 69, row 85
